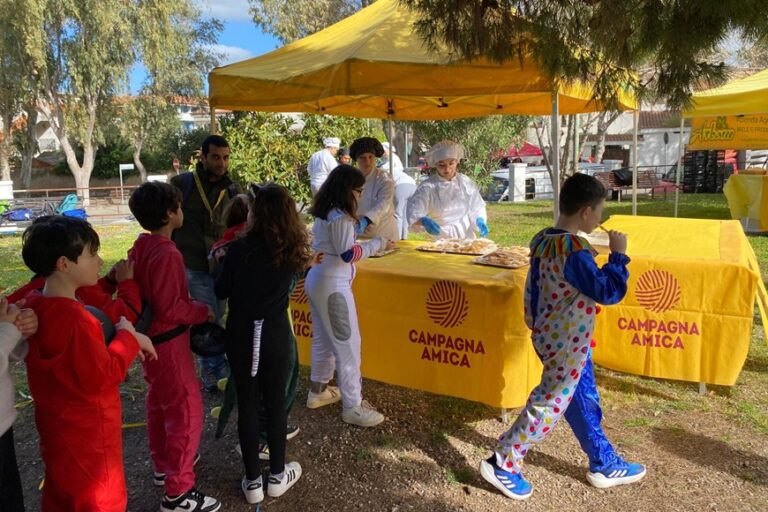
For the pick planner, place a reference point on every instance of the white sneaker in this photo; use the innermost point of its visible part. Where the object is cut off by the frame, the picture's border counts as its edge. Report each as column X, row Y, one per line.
column 330, row 395
column 291, row 475
column 253, row 490
column 364, row 415
column 192, row 500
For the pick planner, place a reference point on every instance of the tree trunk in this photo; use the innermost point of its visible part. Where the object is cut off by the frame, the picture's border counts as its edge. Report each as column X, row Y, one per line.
column 29, row 148
column 137, row 162
column 6, row 148
column 604, row 120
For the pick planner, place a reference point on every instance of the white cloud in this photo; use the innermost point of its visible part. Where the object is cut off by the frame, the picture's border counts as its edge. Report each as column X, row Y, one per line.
column 226, row 10
column 231, row 53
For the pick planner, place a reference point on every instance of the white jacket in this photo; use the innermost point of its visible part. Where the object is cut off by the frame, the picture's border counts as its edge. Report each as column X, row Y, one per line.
column 455, row 205
column 320, row 166
column 12, row 348
column 397, row 171
column 377, row 203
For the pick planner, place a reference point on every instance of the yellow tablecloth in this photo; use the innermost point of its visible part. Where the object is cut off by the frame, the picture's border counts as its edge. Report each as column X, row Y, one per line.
column 747, row 197
column 438, row 323
column 688, row 311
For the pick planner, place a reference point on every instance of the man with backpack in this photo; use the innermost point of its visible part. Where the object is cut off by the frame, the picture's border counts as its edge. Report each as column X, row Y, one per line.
column 205, row 193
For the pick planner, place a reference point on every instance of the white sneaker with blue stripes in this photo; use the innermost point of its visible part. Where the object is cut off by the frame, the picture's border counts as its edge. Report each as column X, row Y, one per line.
column 618, row 473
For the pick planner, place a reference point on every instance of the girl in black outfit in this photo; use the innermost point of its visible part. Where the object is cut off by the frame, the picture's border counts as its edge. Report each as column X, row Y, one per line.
column 256, row 278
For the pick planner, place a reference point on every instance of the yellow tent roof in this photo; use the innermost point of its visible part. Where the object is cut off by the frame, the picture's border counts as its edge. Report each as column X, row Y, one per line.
column 744, row 96
column 373, row 63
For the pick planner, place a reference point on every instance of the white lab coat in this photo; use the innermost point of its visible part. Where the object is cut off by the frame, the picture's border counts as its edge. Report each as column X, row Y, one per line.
column 398, row 174
column 455, row 205
column 377, row 203
column 320, row 166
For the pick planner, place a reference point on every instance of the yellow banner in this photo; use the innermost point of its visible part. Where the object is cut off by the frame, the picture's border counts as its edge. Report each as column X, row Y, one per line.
column 439, row 323
column 729, row 132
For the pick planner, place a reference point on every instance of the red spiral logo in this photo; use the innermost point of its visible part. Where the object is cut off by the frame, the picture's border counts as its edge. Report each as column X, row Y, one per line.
column 299, row 295
column 447, row 304
column 658, row 291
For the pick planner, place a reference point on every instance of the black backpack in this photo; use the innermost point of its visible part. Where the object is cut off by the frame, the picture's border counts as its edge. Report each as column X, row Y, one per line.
column 144, row 321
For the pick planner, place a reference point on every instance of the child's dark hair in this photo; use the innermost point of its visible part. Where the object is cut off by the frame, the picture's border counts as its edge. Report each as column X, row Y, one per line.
column 578, row 191
column 236, row 211
column 50, row 238
column 150, row 204
column 337, row 192
column 276, row 219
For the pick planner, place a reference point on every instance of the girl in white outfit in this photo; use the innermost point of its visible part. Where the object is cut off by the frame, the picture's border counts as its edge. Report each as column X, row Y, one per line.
column 336, row 334
column 447, row 204
column 376, row 205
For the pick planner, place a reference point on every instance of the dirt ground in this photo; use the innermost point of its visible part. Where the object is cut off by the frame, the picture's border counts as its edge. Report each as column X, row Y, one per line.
column 424, row 457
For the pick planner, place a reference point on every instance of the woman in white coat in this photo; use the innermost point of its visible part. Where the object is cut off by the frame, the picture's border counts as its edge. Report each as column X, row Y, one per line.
column 405, row 186
column 447, row 204
column 376, row 207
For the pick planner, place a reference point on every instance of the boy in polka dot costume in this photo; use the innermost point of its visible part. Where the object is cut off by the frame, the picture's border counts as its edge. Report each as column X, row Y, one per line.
column 562, row 294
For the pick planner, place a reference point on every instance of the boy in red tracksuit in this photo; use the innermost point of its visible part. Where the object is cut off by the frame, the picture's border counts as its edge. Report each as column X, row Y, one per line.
column 174, row 404
column 73, row 375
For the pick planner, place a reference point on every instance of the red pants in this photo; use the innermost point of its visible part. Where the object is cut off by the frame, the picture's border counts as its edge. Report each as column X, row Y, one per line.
column 174, row 413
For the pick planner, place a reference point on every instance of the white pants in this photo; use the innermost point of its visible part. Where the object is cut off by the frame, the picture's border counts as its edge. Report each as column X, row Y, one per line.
column 335, row 331
column 402, row 193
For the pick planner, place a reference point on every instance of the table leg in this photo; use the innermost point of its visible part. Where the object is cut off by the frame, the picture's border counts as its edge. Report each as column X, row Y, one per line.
column 702, row 388
column 504, row 416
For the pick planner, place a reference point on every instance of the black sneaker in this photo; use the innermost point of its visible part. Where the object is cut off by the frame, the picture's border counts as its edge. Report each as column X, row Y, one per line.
column 291, row 432
column 191, row 501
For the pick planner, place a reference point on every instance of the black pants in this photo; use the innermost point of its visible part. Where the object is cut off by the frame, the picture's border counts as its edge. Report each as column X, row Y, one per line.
column 11, row 494
column 267, row 387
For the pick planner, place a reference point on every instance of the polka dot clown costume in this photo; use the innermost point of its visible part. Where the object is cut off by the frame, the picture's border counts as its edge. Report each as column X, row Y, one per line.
column 562, row 294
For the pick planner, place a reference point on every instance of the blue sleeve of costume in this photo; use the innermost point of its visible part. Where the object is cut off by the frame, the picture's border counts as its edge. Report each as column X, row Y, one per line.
column 606, row 285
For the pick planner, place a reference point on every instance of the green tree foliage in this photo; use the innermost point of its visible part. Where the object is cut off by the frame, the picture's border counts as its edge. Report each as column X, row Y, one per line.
column 597, row 41
column 274, row 147
column 289, row 21
column 483, row 137
column 80, row 53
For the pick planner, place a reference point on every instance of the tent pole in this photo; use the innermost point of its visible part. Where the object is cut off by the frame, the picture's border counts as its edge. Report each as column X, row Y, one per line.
column 679, row 162
column 214, row 128
column 555, row 136
column 635, row 123
column 391, row 137
column 576, row 152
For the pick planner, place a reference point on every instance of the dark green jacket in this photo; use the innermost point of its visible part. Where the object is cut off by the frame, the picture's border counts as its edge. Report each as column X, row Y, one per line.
column 199, row 231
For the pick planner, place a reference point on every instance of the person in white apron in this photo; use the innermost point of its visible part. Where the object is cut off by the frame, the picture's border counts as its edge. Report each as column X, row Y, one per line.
column 448, row 204
column 376, row 207
column 405, row 186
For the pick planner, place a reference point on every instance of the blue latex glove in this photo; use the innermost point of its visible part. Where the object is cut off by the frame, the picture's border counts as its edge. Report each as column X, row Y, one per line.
column 361, row 225
column 482, row 227
column 432, row 227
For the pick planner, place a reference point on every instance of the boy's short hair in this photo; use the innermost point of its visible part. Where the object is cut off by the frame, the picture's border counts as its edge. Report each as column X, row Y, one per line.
column 50, row 238
column 151, row 201
column 579, row 191
column 213, row 140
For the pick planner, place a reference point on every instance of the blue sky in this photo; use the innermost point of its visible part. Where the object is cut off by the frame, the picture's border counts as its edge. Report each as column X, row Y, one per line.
column 240, row 40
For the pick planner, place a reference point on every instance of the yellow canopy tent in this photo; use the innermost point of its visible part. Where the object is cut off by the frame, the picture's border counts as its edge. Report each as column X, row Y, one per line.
column 373, row 64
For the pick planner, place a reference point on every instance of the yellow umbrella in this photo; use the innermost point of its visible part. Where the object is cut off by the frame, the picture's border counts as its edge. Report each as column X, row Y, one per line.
column 373, row 64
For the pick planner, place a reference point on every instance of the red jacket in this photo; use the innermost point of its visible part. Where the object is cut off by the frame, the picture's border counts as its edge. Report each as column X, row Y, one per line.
column 74, row 379
column 127, row 303
column 159, row 271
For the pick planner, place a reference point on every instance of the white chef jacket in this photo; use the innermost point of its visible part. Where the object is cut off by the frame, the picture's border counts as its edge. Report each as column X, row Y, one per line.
column 398, row 174
column 377, row 203
column 455, row 205
column 320, row 166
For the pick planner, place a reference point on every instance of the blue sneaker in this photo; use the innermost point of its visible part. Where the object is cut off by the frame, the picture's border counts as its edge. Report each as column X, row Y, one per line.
column 511, row 485
column 618, row 473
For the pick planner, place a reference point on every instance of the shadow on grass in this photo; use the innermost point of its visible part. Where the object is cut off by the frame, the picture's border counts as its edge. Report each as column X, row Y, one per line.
column 624, row 386
column 716, row 454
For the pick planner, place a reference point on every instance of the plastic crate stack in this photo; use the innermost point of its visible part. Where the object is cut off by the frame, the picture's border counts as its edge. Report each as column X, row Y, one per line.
column 704, row 171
